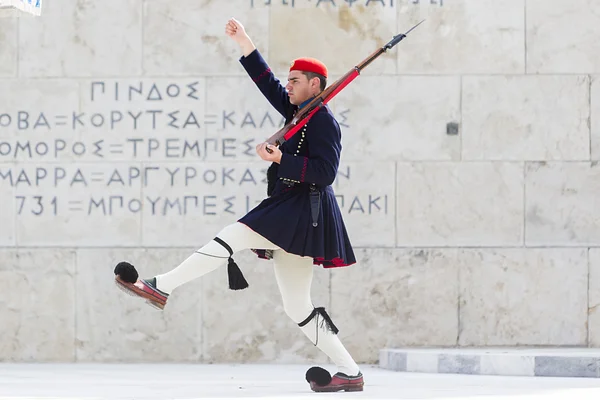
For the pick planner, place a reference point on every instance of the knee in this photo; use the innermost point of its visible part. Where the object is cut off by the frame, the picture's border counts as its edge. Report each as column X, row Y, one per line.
column 230, row 232
column 237, row 236
column 297, row 310
column 212, row 248
column 230, row 235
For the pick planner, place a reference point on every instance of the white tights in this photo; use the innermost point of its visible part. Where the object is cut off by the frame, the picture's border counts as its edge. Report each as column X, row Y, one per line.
column 294, row 277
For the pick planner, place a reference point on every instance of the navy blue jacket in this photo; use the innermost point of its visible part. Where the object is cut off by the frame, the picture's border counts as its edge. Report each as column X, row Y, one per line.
column 310, row 159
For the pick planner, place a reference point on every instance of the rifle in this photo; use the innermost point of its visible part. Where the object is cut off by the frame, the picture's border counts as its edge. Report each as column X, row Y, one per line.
column 305, row 114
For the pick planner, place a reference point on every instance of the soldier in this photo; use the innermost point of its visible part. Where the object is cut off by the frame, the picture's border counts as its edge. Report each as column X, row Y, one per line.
column 298, row 225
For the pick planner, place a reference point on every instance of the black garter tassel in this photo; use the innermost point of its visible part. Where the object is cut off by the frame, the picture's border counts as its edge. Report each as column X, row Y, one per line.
column 326, row 319
column 236, row 278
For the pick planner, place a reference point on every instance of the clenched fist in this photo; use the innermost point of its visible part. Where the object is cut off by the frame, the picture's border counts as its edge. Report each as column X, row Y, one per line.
column 274, row 156
column 235, row 30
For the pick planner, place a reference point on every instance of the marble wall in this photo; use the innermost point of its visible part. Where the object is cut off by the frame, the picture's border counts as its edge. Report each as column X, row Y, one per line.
column 127, row 130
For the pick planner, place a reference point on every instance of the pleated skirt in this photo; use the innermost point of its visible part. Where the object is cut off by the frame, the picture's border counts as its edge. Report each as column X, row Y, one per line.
column 285, row 219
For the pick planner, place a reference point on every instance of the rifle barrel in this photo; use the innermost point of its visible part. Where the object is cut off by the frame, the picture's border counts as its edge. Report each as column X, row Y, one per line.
column 322, row 98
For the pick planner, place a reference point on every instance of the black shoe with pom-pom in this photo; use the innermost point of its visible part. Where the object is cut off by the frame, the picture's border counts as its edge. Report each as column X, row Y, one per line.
column 127, row 279
column 320, row 380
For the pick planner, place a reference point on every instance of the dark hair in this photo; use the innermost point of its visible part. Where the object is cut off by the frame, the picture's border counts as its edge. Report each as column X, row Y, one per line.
column 322, row 79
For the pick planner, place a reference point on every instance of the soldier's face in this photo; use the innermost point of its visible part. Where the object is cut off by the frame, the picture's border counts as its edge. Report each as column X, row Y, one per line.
column 300, row 88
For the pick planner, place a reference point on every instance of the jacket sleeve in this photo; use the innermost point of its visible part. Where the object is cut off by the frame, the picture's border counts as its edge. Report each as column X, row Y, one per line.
column 324, row 148
column 258, row 69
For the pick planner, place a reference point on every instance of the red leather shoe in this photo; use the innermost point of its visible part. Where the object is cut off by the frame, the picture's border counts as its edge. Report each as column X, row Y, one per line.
column 339, row 382
column 126, row 279
column 144, row 289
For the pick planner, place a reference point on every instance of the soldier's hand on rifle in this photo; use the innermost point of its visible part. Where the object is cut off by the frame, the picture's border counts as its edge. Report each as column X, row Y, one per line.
column 235, row 30
column 274, row 156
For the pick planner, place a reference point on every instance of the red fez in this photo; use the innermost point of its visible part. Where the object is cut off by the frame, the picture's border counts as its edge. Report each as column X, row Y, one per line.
column 309, row 65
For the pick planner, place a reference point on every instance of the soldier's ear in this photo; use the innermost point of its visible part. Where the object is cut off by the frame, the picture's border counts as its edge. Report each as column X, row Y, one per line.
column 316, row 82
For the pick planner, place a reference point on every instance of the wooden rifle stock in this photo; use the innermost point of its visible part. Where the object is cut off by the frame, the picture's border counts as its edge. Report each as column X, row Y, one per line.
column 305, row 113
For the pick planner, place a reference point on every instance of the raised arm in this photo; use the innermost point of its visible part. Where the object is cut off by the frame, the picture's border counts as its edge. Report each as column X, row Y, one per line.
column 258, row 69
column 269, row 85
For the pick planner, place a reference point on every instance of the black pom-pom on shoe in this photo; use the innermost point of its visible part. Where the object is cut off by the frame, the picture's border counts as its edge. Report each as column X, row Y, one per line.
column 318, row 375
column 126, row 272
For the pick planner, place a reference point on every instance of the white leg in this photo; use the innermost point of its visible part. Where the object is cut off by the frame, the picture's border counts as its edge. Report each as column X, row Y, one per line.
column 294, row 277
column 212, row 255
